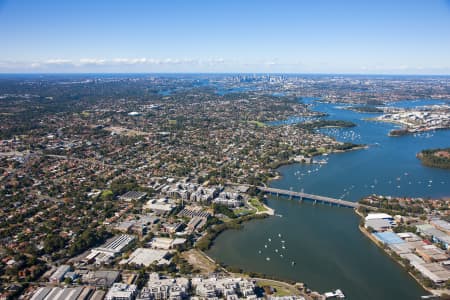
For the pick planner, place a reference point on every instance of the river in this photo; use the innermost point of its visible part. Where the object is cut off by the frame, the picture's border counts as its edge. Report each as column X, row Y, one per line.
column 323, row 241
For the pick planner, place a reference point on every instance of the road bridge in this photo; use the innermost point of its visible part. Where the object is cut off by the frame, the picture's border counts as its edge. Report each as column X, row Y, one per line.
column 310, row 197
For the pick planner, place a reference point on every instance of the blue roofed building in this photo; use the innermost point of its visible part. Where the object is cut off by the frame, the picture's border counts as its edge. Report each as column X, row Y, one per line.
column 388, row 238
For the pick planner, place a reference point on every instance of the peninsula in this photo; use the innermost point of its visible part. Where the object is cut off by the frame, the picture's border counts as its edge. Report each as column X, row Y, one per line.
column 436, row 158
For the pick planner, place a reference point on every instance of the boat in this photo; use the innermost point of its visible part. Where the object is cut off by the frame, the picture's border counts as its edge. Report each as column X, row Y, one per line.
column 337, row 294
column 430, row 297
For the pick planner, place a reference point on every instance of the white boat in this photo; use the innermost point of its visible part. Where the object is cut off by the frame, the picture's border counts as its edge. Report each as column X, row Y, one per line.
column 337, row 294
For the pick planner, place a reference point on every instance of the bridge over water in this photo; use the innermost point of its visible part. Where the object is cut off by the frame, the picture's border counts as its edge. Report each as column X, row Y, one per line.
column 310, row 197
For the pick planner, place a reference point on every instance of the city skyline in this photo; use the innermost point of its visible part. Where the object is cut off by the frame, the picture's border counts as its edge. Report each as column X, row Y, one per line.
column 376, row 37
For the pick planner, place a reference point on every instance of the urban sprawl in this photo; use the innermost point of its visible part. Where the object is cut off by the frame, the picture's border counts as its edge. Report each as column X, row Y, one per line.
column 112, row 187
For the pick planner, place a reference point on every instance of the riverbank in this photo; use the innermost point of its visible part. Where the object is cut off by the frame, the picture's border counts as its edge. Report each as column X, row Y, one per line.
column 279, row 164
column 360, row 147
column 204, row 264
column 260, row 207
column 278, row 287
column 207, row 240
column 405, row 128
column 380, row 245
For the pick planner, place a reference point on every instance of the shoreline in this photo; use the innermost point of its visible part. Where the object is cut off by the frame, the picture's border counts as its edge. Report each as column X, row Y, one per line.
column 269, row 211
column 404, row 127
column 278, row 175
column 261, row 277
column 425, row 161
column 361, row 147
column 381, row 247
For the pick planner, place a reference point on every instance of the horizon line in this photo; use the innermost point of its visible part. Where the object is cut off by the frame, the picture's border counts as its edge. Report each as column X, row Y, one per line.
column 221, row 73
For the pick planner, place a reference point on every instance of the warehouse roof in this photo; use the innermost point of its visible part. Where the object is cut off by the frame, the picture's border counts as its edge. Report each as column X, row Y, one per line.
column 388, row 238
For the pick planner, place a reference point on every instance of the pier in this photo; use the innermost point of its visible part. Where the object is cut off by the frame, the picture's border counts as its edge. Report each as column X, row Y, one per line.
column 310, row 197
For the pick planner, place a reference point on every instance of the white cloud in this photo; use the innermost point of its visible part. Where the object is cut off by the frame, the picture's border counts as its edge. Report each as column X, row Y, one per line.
column 90, row 61
column 214, row 64
column 130, row 61
column 122, row 64
column 114, row 62
column 57, row 61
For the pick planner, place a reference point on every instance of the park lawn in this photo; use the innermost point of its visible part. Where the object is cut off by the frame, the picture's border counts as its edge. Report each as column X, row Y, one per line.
column 257, row 204
column 243, row 211
column 282, row 289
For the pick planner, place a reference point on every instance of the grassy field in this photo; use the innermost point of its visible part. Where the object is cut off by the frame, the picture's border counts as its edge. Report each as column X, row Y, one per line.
column 257, row 204
column 243, row 211
column 282, row 289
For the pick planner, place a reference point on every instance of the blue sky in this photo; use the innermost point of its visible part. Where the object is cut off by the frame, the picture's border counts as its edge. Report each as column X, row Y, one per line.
column 295, row 36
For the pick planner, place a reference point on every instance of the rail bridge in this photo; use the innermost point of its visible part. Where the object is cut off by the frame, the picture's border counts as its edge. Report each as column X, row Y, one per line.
column 310, row 197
